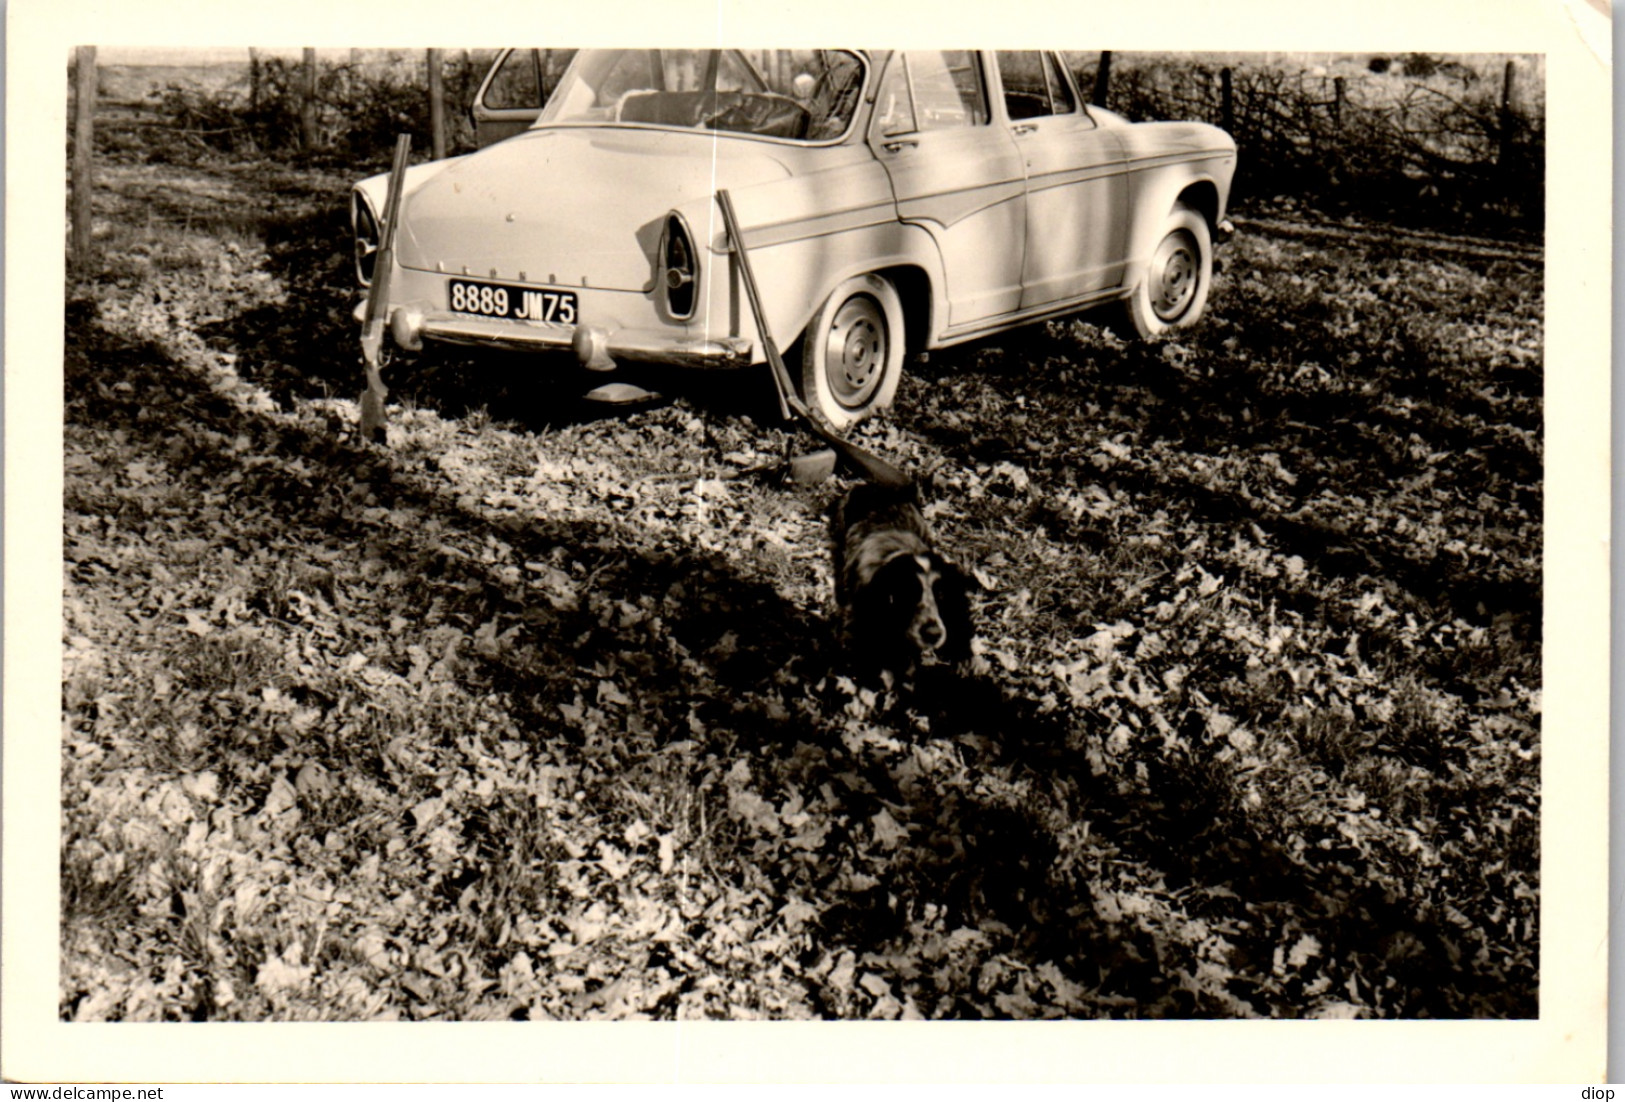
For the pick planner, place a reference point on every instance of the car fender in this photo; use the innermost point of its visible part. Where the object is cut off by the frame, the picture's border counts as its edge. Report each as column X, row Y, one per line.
column 376, row 188
column 1169, row 160
column 800, row 254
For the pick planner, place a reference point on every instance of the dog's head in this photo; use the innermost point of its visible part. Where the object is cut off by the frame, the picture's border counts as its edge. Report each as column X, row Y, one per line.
column 919, row 600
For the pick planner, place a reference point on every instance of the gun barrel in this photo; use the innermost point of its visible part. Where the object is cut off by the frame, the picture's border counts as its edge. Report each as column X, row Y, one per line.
column 377, row 313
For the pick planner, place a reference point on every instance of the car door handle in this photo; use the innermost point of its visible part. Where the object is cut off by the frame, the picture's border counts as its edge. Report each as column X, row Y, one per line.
column 1023, row 128
column 896, row 144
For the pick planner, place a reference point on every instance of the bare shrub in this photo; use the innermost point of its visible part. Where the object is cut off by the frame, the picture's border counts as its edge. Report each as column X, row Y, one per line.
column 1454, row 143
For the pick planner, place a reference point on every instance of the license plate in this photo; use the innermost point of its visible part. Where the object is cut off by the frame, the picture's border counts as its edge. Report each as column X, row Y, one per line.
column 504, row 300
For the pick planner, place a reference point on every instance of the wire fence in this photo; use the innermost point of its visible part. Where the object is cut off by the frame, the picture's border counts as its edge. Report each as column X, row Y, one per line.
column 1456, row 143
column 344, row 109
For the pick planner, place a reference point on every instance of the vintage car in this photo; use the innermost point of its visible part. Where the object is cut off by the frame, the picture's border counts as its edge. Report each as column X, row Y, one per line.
column 890, row 203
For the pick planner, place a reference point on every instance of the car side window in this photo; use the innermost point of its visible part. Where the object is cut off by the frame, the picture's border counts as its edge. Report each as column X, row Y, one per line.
column 931, row 90
column 1033, row 87
column 947, row 89
column 1061, row 95
column 894, row 104
column 517, row 84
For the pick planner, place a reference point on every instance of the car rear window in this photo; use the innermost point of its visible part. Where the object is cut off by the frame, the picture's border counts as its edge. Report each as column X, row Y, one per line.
column 796, row 95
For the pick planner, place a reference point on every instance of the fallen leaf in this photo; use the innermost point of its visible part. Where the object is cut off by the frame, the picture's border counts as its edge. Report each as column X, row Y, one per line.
column 888, row 833
column 1307, row 946
column 426, row 811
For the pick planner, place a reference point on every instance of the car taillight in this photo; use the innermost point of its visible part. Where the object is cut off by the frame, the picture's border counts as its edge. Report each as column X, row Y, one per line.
column 365, row 224
column 679, row 268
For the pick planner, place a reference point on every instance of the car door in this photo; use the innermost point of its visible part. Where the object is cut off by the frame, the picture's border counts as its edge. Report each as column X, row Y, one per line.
column 515, row 90
column 956, row 174
column 1077, row 184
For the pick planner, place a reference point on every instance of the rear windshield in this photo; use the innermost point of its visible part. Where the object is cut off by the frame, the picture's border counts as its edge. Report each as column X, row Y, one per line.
column 795, row 95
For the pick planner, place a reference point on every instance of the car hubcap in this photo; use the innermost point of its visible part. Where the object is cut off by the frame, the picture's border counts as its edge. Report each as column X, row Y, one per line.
column 1174, row 273
column 855, row 351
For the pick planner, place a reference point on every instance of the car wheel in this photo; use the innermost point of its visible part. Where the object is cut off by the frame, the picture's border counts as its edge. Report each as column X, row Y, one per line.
column 852, row 351
column 1173, row 292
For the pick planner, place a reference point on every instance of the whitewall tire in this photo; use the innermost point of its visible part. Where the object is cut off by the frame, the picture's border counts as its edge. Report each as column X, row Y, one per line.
column 852, row 351
column 1172, row 293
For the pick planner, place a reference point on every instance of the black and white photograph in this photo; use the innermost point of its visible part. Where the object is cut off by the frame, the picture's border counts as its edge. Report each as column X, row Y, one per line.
column 1054, row 530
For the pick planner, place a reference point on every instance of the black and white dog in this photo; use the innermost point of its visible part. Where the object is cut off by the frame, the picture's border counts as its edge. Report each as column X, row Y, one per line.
column 903, row 604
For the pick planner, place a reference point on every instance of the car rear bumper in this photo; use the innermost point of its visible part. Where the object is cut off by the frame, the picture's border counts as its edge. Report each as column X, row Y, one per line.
column 597, row 347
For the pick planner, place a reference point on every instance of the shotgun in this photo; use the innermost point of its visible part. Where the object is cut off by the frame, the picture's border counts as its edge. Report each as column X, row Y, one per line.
column 377, row 313
column 872, row 467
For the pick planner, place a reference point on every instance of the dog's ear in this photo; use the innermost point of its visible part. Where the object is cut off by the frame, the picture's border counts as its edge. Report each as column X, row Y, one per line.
column 953, row 605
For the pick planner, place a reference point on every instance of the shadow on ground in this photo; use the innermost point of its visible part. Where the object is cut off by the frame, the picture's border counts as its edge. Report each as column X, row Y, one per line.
column 1025, row 855
column 307, row 345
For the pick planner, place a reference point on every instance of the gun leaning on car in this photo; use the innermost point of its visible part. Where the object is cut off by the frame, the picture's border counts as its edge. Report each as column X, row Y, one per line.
column 377, row 314
column 871, row 466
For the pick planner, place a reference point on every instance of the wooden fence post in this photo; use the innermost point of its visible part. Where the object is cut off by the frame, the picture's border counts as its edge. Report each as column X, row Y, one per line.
column 1227, row 101
column 1508, row 120
column 1339, row 90
column 1103, row 79
column 437, row 105
column 307, row 101
column 84, row 144
column 254, row 82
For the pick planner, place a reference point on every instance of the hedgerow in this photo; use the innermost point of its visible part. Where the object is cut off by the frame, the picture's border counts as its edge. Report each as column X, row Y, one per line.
column 1446, row 142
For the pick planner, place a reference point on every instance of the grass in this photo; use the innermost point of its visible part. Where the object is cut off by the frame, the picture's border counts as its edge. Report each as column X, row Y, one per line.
column 535, row 714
